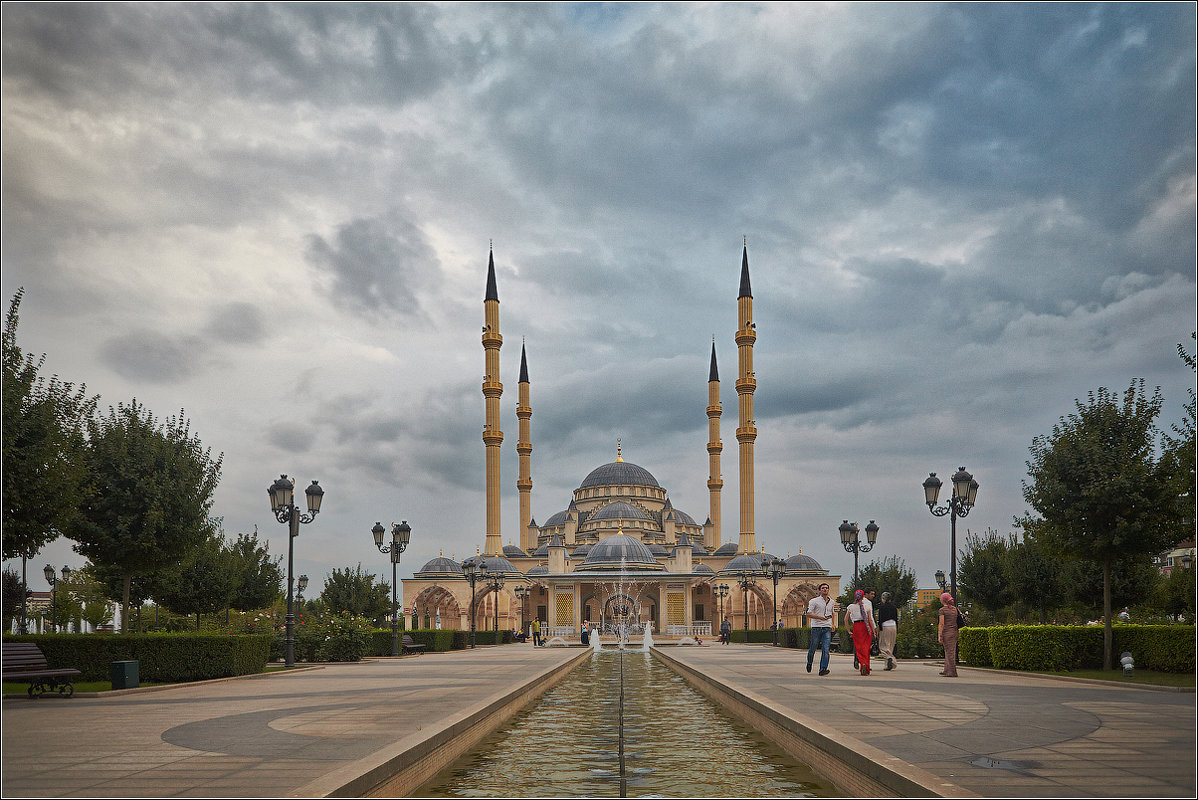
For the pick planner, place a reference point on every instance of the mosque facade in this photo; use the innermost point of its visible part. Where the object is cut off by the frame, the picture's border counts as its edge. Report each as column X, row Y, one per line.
column 619, row 557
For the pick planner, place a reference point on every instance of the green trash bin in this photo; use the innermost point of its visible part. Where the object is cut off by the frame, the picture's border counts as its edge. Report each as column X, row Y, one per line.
column 124, row 675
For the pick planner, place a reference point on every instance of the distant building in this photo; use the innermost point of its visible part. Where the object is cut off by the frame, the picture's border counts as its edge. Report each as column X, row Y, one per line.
column 619, row 556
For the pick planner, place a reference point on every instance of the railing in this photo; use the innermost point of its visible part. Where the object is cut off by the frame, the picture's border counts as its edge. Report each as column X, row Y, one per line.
column 698, row 629
column 558, row 630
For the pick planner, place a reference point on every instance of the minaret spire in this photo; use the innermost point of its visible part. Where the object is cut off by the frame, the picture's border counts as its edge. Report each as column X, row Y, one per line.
column 715, row 478
column 746, row 384
column 528, row 533
column 492, row 391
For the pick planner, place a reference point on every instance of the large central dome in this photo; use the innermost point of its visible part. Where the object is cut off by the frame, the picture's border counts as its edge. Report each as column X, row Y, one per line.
column 619, row 473
column 620, row 551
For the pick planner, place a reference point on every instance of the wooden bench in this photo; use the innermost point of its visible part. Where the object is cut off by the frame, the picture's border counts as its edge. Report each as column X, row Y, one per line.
column 410, row 646
column 24, row 661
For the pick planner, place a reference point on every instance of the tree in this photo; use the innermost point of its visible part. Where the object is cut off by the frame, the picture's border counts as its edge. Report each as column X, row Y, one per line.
column 201, row 582
column 14, row 593
column 1134, row 581
column 1175, row 594
column 1095, row 482
column 1177, row 458
column 355, row 592
column 982, row 569
column 887, row 575
column 43, row 436
column 1037, row 577
column 95, row 604
column 259, row 577
column 152, row 489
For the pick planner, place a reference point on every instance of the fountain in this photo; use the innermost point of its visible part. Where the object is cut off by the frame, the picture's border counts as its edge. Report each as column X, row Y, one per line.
column 646, row 640
column 556, row 641
column 595, row 640
column 686, row 640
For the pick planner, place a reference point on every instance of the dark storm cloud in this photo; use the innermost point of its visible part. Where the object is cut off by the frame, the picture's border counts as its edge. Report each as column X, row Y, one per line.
column 328, row 53
column 376, row 264
column 163, row 357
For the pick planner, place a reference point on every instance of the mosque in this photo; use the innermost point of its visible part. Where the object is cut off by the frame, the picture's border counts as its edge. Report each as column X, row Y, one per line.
column 620, row 556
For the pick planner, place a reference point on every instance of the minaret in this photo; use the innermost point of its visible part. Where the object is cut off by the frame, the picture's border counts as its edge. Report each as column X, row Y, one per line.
column 746, row 384
column 492, row 391
column 715, row 478
column 528, row 534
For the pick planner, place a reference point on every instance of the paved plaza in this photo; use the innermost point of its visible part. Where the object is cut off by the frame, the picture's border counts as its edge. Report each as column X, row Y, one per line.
column 301, row 733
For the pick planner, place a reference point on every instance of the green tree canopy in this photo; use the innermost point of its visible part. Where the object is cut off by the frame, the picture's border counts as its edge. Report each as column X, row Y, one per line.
column 202, row 582
column 356, row 592
column 259, row 577
column 1095, row 482
column 1175, row 594
column 1037, row 577
column 982, row 569
column 43, row 437
column 153, row 483
column 888, row 574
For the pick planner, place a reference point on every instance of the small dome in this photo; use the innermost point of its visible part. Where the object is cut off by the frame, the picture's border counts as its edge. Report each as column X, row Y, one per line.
column 581, row 551
column 698, row 549
column 557, row 519
column 618, row 510
column 539, row 569
column 658, row 550
column 726, row 549
column 802, row 563
column 619, row 473
column 684, row 518
column 494, row 564
column 702, row 569
column 620, row 550
column 441, row 566
column 542, row 551
column 511, row 551
column 747, row 561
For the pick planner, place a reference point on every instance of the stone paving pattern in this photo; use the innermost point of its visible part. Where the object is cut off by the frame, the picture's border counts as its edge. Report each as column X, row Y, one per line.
column 1058, row 738
column 273, row 735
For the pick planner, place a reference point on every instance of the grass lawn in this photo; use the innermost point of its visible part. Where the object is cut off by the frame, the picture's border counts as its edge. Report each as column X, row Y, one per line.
column 12, row 687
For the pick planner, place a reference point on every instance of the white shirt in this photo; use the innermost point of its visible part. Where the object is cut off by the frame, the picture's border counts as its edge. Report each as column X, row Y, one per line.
column 855, row 610
column 821, row 608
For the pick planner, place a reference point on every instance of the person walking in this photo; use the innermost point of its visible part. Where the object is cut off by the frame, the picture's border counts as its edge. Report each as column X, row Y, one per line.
column 821, row 610
column 946, row 632
column 887, row 631
column 725, row 631
column 859, row 618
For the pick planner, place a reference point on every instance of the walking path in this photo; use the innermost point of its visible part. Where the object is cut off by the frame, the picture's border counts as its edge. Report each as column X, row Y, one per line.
column 993, row 733
column 302, row 733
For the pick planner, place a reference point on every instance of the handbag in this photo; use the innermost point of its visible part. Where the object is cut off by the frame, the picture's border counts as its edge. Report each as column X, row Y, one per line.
column 874, row 648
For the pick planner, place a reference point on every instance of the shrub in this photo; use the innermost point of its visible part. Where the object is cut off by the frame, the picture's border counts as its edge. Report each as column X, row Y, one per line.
column 973, row 647
column 161, row 657
column 1167, row 648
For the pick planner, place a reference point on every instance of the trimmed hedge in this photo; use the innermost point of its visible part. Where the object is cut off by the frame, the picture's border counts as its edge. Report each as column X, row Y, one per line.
column 161, row 657
column 1166, row 648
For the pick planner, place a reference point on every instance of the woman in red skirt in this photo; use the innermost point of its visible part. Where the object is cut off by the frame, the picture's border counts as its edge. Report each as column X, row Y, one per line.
column 859, row 618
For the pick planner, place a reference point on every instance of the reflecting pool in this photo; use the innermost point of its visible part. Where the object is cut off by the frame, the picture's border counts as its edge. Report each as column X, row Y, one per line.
column 676, row 743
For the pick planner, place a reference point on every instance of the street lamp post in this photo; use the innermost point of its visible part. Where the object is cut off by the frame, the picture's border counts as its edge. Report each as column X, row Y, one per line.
column 522, row 593
column 471, row 568
column 301, row 586
column 850, row 537
column 282, row 504
column 494, row 582
column 720, row 590
column 774, row 568
column 940, row 580
column 401, row 534
column 965, row 493
column 52, row 579
column 745, row 581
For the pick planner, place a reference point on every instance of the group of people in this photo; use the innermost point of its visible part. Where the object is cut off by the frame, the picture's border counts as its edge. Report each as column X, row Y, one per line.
column 860, row 620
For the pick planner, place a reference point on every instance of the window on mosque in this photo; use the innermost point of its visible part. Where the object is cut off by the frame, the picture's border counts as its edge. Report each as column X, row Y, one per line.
column 699, row 612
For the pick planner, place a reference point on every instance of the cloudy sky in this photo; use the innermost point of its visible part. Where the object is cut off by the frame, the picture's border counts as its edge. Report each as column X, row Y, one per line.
column 959, row 218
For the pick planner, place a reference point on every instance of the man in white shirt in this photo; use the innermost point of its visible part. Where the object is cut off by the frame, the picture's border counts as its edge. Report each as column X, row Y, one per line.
column 821, row 610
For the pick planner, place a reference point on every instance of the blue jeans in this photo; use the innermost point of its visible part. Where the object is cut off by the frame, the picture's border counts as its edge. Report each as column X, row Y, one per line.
column 821, row 638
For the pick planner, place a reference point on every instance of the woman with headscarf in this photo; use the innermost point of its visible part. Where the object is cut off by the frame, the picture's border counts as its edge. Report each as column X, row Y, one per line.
column 859, row 618
column 946, row 632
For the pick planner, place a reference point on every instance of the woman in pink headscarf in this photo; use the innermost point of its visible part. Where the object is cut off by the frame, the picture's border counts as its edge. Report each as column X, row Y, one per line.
column 946, row 632
column 859, row 618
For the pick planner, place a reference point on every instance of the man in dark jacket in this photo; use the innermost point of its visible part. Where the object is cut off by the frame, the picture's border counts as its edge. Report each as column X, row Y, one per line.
column 887, row 630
